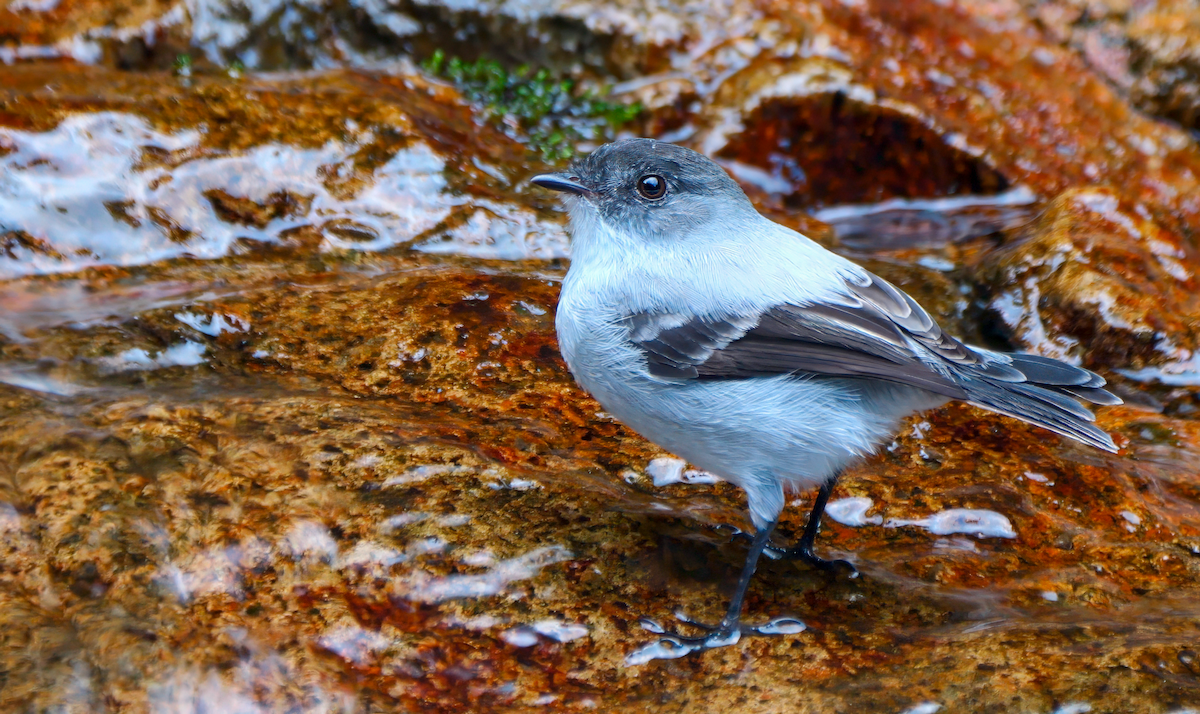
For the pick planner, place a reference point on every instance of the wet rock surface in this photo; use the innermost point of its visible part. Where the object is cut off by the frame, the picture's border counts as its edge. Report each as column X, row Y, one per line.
column 1147, row 49
column 283, row 426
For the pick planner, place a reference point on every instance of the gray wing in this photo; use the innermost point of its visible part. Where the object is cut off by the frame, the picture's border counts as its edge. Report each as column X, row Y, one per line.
column 873, row 331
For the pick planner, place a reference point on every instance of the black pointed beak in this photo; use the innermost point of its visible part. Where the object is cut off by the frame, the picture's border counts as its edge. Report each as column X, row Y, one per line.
column 560, row 182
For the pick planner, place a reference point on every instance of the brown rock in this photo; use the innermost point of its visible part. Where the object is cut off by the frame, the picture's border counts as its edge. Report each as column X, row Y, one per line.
column 1166, row 44
column 1098, row 280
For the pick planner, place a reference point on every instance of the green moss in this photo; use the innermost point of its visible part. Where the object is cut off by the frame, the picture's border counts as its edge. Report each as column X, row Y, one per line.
column 552, row 114
column 183, row 65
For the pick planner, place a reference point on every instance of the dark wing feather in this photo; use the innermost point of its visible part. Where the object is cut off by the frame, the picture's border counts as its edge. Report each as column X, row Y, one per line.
column 1095, row 395
column 762, row 357
column 873, row 331
column 1035, row 411
column 755, row 356
column 675, row 348
column 1045, row 370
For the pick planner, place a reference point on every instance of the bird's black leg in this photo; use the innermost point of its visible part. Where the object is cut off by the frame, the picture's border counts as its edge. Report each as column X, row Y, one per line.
column 730, row 629
column 732, row 619
column 803, row 551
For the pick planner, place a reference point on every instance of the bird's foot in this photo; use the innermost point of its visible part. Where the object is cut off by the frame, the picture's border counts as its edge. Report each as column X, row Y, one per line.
column 806, row 556
column 778, row 626
column 732, row 531
column 772, row 551
column 798, row 552
column 672, row 645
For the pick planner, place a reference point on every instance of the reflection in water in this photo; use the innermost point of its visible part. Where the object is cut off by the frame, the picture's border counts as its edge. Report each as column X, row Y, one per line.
column 258, row 683
column 669, row 647
column 87, row 46
column 1181, row 369
column 77, row 303
column 353, row 643
column 907, row 223
column 422, row 586
column 559, row 631
column 665, row 471
column 10, row 520
column 310, row 541
column 214, row 325
column 215, row 570
column 32, row 378
column 852, row 511
column 520, row 636
column 417, row 474
column 184, row 354
column 367, row 553
column 974, row 521
column 661, row 649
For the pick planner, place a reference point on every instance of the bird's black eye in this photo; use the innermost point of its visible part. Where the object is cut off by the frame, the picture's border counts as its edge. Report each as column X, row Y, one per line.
column 652, row 186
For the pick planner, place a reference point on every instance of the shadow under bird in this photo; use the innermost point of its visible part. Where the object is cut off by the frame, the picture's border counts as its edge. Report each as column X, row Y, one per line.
column 754, row 353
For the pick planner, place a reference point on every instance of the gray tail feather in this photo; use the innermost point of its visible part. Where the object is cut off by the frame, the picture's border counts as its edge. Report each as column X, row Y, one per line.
column 1047, row 398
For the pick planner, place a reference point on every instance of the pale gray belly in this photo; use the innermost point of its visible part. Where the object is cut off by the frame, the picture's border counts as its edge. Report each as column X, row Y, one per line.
column 798, row 431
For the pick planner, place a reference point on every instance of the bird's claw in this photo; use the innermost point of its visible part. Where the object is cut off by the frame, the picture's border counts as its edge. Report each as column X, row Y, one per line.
column 798, row 552
column 837, row 567
column 720, row 635
column 773, row 552
column 714, row 635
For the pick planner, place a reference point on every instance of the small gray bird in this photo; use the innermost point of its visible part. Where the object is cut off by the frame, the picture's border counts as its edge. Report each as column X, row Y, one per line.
column 754, row 353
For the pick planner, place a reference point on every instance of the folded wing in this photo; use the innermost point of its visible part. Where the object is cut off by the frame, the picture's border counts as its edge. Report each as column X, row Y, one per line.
column 875, row 331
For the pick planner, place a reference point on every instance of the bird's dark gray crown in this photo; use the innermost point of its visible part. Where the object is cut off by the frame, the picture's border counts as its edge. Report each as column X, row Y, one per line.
column 616, row 166
column 696, row 187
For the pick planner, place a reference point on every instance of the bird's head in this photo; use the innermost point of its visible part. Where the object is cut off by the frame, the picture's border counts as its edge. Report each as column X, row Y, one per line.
column 648, row 190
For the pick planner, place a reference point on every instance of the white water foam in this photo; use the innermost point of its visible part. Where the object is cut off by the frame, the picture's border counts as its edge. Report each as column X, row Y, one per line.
column 852, row 511
column 972, row 521
column 422, row 586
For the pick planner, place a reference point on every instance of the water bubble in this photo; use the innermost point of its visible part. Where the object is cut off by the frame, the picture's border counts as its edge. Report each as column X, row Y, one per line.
column 665, row 648
column 852, row 511
column 782, row 626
